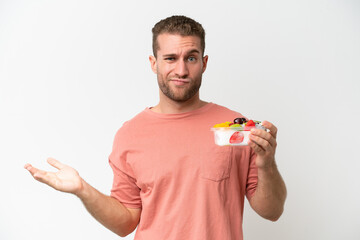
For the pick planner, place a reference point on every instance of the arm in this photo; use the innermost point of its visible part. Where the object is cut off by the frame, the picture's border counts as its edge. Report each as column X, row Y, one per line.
column 107, row 210
column 269, row 198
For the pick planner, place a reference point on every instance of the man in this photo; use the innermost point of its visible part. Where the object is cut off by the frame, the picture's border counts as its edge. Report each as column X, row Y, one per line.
column 170, row 179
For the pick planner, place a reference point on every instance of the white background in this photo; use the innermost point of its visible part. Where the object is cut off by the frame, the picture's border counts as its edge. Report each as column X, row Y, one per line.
column 71, row 72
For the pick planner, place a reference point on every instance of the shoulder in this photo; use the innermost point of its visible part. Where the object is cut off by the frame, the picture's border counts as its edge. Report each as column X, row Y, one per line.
column 130, row 125
column 221, row 110
column 220, row 114
column 218, row 107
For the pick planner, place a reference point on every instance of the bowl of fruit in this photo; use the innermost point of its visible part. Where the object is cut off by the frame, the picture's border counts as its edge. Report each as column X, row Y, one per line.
column 235, row 132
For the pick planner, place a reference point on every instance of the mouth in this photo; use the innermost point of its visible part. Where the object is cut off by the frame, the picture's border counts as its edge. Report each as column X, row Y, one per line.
column 180, row 82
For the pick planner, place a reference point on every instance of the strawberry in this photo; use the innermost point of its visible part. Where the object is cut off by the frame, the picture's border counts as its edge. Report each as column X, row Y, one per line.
column 249, row 125
column 237, row 137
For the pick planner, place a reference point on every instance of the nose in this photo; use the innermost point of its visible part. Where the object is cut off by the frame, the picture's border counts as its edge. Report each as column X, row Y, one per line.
column 181, row 69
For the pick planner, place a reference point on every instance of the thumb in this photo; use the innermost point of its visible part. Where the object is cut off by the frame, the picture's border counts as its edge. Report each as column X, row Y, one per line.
column 55, row 163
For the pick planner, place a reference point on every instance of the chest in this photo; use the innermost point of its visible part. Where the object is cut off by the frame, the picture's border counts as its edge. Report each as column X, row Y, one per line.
column 168, row 154
column 172, row 157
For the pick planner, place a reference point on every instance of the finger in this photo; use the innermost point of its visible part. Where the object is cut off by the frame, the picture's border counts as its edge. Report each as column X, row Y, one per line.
column 55, row 163
column 31, row 169
column 271, row 127
column 264, row 144
column 258, row 150
column 38, row 174
column 265, row 135
column 45, row 177
column 28, row 165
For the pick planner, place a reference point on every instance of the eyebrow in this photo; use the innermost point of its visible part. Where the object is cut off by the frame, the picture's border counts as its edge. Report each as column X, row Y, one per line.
column 194, row 51
column 190, row 52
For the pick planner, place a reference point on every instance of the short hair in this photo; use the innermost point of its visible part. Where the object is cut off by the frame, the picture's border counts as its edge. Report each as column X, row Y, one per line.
column 181, row 25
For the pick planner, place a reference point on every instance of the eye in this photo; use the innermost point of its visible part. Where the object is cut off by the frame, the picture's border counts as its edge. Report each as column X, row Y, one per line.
column 192, row 59
column 170, row 59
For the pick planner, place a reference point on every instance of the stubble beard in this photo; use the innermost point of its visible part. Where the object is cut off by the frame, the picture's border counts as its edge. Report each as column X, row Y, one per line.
column 188, row 94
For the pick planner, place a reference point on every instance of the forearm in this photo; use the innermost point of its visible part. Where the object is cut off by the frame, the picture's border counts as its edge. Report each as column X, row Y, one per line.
column 269, row 198
column 107, row 210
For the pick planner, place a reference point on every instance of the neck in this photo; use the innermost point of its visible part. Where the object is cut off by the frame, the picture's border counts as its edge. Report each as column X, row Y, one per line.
column 169, row 106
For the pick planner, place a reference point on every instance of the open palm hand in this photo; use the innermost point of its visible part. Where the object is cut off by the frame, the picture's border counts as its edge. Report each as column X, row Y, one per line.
column 66, row 179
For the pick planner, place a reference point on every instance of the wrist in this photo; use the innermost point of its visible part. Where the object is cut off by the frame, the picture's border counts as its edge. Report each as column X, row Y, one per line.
column 268, row 168
column 82, row 192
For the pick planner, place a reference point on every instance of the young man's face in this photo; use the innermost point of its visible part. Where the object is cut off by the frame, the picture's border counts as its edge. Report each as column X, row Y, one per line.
column 179, row 66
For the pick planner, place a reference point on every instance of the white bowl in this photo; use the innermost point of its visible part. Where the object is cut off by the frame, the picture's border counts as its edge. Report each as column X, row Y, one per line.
column 236, row 136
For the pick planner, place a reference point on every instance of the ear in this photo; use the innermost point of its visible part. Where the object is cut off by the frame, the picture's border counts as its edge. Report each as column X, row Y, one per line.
column 205, row 60
column 153, row 64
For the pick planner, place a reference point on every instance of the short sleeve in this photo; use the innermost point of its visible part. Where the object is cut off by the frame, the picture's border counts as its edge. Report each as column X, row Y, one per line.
column 252, row 177
column 124, row 186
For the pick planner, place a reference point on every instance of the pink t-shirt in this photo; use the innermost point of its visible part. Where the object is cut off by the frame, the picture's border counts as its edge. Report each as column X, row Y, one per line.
column 187, row 187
